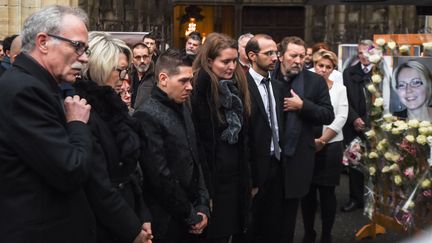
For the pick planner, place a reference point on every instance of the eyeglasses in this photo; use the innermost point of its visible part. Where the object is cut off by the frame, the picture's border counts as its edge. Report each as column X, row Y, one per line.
column 80, row 47
column 269, row 53
column 122, row 73
column 123, row 93
column 414, row 83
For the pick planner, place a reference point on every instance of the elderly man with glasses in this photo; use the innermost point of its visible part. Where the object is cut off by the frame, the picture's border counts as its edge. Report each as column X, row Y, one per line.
column 45, row 142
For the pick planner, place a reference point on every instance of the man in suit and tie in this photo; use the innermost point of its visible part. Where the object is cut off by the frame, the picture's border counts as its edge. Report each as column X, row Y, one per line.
column 356, row 79
column 306, row 104
column 264, row 136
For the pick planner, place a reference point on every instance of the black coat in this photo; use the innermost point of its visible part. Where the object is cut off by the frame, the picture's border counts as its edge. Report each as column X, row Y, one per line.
column 317, row 111
column 44, row 161
column 113, row 189
column 355, row 81
column 174, row 181
column 226, row 166
column 260, row 133
column 141, row 88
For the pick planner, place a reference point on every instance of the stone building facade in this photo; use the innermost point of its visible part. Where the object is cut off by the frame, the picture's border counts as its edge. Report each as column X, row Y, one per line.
column 334, row 24
column 14, row 12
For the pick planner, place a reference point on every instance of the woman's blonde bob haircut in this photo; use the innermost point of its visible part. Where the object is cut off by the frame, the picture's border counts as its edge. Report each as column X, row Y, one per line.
column 317, row 56
column 105, row 51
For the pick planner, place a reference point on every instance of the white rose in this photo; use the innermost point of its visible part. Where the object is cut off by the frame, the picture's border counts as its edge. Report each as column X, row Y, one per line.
column 376, row 78
column 426, row 183
column 394, row 167
column 395, row 157
column 414, row 123
column 370, row 133
column 374, row 58
column 398, row 123
column 372, row 171
column 395, row 131
column 387, row 127
column 373, row 155
column 379, row 147
column 421, row 139
column 371, row 88
column 385, row 169
column 380, row 41
column 397, row 180
column 391, row 45
column 424, row 124
column 388, row 117
column 429, row 132
column 388, row 156
column 378, row 102
column 410, row 138
column 423, row 130
column 403, row 126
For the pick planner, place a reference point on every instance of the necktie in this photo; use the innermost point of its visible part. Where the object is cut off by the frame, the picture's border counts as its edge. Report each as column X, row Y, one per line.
column 275, row 136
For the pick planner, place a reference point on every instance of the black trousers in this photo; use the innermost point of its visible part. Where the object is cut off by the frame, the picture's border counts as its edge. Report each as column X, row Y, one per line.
column 356, row 185
column 273, row 216
column 328, row 206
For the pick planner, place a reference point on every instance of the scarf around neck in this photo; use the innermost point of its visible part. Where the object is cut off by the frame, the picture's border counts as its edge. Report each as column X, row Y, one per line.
column 233, row 107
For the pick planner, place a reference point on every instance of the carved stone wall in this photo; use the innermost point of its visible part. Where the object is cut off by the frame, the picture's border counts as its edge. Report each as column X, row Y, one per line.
column 350, row 23
column 332, row 23
column 130, row 15
column 14, row 12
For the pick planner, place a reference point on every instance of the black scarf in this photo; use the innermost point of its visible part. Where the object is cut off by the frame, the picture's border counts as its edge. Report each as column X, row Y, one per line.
column 293, row 123
column 232, row 104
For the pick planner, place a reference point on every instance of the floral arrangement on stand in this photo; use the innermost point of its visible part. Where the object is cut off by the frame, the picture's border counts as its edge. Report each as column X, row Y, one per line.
column 395, row 158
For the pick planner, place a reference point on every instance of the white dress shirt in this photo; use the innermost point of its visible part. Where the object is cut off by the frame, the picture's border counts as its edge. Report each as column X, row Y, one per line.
column 263, row 92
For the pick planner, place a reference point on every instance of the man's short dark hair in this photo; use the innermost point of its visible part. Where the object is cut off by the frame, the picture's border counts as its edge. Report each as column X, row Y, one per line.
column 140, row 44
column 195, row 36
column 7, row 42
column 293, row 40
column 253, row 46
column 150, row 36
column 170, row 60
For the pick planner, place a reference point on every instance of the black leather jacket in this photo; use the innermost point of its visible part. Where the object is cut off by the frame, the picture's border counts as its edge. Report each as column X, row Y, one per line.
column 175, row 179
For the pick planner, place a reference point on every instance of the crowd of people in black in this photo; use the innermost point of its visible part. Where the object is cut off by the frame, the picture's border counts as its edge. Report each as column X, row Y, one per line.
column 220, row 142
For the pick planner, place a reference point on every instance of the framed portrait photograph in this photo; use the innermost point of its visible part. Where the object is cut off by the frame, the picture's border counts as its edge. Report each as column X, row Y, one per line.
column 411, row 88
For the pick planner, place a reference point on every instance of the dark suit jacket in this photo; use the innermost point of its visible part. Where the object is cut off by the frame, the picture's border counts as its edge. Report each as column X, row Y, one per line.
column 44, row 161
column 355, row 81
column 260, row 133
column 317, row 111
column 173, row 175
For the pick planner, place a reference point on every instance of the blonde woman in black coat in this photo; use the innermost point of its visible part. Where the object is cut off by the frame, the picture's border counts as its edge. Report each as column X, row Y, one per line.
column 113, row 189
